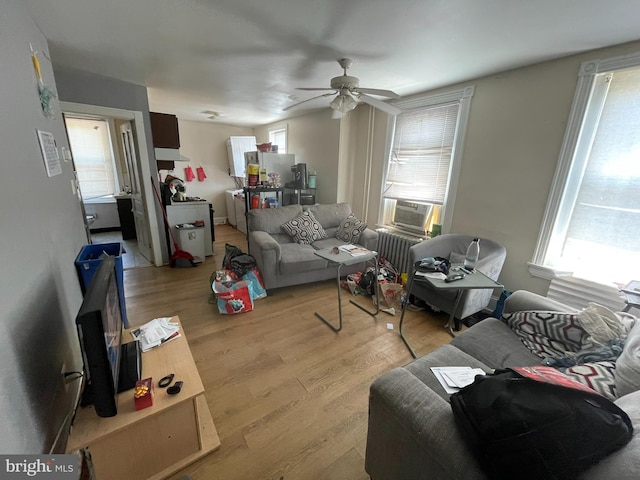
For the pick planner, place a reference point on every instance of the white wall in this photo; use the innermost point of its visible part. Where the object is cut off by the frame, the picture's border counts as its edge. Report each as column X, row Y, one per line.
column 105, row 213
column 206, row 144
column 314, row 139
column 42, row 232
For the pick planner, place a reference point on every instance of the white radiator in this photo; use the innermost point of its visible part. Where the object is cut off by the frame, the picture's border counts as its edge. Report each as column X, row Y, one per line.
column 577, row 293
column 395, row 248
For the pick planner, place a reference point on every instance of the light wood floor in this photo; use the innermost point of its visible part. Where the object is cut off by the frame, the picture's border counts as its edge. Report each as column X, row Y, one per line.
column 287, row 394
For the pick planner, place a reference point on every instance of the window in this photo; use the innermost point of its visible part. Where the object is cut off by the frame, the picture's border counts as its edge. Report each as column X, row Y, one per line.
column 92, row 156
column 424, row 154
column 278, row 136
column 591, row 227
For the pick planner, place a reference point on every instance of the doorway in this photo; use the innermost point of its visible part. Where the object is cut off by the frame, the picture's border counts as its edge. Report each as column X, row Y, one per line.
column 116, row 210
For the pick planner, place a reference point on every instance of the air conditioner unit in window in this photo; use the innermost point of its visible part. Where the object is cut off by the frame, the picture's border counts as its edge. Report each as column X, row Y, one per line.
column 412, row 215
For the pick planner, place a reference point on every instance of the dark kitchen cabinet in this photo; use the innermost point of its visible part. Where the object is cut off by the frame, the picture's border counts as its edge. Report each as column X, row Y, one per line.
column 127, row 222
column 164, row 128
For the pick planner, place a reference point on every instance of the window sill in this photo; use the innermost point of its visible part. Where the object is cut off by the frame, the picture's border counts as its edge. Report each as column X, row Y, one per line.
column 99, row 200
column 547, row 273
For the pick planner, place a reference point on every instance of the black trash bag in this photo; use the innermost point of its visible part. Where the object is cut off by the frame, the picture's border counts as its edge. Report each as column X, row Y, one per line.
column 230, row 251
column 237, row 261
column 243, row 264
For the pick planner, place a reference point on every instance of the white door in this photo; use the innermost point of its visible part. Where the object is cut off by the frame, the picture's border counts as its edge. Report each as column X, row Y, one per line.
column 137, row 202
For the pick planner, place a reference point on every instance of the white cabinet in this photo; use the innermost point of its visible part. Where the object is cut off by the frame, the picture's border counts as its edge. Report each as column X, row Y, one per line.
column 236, row 148
column 241, row 218
column 231, row 206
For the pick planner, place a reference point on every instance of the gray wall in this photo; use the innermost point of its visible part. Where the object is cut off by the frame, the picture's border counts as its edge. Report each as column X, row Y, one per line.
column 42, row 232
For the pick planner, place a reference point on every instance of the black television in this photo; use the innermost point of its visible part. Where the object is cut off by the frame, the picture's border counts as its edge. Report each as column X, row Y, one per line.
column 110, row 365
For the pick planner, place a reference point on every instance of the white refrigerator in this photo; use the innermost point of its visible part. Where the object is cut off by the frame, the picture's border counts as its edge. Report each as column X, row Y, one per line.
column 273, row 163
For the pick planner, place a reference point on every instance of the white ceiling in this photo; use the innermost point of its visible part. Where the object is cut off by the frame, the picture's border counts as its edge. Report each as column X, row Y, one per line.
column 245, row 58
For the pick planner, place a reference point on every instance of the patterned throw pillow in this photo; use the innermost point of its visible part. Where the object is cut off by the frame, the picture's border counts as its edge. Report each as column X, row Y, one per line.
column 304, row 229
column 547, row 334
column 599, row 376
column 349, row 231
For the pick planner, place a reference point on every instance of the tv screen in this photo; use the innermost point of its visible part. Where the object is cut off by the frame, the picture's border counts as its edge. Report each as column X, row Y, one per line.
column 100, row 326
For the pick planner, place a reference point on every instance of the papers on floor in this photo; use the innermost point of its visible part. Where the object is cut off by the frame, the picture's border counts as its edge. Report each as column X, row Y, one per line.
column 453, row 379
column 354, row 250
column 156, row 332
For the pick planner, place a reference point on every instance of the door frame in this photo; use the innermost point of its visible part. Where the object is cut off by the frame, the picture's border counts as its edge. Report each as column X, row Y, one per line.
column 144, row 169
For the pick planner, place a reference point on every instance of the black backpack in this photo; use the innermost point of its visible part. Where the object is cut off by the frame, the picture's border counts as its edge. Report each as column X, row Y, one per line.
column 536, row 423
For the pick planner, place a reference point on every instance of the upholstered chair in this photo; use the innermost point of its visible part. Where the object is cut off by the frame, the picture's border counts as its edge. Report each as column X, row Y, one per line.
column 453, row 247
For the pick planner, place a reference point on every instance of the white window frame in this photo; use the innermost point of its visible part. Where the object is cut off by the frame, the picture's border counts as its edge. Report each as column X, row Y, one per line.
column 110, row 160
column 564, row 187
column 279, row 129
column 463, row 96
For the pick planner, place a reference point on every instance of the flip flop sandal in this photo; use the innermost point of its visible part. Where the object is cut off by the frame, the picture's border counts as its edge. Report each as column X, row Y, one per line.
column 175, row 388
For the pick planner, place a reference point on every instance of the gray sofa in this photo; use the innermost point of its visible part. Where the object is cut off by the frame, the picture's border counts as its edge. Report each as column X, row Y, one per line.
column 283, row 262
column 412, row 434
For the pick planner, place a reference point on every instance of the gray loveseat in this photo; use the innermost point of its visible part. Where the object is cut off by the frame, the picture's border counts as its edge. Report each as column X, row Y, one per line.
column 412, row 434
column 282, row 261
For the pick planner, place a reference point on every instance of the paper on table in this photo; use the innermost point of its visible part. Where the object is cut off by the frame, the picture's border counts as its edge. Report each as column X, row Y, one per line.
column 354, row 250
column 437, row 275
column 156, row 332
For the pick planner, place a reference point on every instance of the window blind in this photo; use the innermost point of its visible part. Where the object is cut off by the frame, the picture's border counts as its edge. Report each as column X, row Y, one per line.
column 92, row 156
column 420, row 159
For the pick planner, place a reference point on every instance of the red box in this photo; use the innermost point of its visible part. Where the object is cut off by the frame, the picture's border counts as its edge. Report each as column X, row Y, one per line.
column 143, row 393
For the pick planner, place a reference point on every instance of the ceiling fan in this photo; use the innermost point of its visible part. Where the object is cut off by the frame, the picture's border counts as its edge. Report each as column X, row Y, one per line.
column 348, row 93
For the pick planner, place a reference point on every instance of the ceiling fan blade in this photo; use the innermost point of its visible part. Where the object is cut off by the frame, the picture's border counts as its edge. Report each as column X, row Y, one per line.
column 308, row 100
column 312, row 88
column 379, row 104
column 376, row 91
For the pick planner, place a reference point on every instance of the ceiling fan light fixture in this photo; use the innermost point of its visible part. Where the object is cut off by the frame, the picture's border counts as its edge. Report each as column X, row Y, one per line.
column 344, row 102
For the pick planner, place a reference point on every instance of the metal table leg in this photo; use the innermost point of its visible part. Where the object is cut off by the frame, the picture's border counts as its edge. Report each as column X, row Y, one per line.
column 404, row 307
column 452, row 318
column 373, row 314
column 339, row 327
column 448, row 325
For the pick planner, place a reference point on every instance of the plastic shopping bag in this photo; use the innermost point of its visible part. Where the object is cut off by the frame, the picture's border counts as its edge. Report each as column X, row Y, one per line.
column 392, row 295
column 256, row 285
column 233, row 298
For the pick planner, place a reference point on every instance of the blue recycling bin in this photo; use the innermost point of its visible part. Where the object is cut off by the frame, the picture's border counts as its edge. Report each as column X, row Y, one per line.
column 88, row 261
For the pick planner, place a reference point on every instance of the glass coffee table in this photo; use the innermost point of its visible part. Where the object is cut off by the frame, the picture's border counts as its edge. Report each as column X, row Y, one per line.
column 342, row 258
column 473, row 280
